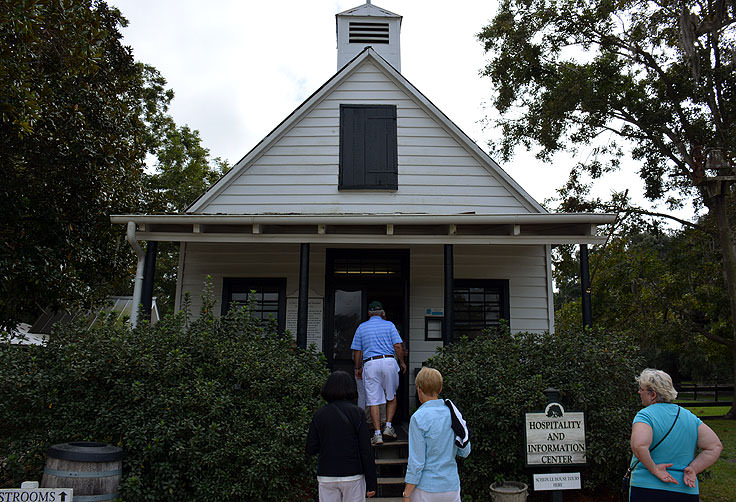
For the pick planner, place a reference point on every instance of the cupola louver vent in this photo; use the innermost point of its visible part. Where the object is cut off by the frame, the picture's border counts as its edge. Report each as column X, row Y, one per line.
column 368, row 33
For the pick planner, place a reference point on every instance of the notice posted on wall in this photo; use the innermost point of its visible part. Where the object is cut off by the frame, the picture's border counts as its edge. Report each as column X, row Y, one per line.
column 315, row 307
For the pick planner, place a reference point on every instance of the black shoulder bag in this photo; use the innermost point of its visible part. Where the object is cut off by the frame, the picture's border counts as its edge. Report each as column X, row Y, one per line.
column 627, row 477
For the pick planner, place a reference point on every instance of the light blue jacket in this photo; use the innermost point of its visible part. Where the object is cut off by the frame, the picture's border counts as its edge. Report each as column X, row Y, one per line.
column 432, row 451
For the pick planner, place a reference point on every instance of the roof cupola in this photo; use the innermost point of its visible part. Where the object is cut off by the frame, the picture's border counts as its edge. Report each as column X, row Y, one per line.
column 368, row 25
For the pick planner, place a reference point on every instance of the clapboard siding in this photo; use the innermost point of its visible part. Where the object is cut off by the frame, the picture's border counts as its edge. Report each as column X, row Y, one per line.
column 347, row 201
column 375, row 207
column 324, row 189
column 244, row 260
column 528, row 291
column 523, row 266
column 298, row 172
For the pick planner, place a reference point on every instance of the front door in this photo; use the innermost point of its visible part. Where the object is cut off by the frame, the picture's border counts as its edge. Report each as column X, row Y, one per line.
column 356, row 277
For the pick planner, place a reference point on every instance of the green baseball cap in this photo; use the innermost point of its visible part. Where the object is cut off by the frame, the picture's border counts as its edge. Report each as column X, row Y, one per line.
column 374, row 306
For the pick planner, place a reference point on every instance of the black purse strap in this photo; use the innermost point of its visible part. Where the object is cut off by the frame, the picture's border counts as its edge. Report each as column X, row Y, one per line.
column 345, row 418
column 633, row 466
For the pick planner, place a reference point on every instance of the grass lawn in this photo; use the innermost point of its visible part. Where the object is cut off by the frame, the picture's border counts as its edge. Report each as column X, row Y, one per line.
column 709, row 411
column 719, row 484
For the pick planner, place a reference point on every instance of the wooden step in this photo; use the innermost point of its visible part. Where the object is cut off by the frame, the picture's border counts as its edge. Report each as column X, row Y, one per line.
column 392, row 461
column 395, row 442
column 390, row 481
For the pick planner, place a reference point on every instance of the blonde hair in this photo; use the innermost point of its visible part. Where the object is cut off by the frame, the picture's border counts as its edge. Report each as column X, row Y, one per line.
column 429, row 380
column 659, row 382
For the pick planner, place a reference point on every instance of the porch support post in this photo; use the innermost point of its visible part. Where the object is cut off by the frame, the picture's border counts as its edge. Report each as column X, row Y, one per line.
column 585, row 287
column 301, row 322
column 149, row 271
column 448, row 321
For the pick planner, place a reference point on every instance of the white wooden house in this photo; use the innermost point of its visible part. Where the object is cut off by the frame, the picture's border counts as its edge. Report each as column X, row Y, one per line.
column 368, row 191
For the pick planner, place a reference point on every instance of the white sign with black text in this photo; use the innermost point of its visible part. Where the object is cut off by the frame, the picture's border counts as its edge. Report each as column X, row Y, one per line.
column 36, row 495
column 555, row 437
column 557, row 481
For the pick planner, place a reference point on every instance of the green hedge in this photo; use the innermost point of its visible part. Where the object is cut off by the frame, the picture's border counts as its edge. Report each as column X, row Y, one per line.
column 496, row 378
column 214, row 409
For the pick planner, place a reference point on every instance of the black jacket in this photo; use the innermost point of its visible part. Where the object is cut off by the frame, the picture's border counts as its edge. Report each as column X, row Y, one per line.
column 343, row 445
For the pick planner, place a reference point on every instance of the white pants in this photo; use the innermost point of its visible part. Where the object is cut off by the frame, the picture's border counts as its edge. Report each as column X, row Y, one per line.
column 419, row 495
column 381, row 379
column 342, row 491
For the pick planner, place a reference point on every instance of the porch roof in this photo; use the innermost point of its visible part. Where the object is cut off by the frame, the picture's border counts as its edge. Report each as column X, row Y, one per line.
column 535, row 228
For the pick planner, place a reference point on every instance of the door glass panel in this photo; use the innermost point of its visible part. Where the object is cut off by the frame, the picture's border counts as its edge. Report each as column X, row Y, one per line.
column 348, row 313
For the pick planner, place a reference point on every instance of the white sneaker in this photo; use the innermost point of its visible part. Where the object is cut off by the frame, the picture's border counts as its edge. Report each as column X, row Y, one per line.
column 389, row 432
column 376, row 439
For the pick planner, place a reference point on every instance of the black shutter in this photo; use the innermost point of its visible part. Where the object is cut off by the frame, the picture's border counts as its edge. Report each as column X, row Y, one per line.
column 368, row 147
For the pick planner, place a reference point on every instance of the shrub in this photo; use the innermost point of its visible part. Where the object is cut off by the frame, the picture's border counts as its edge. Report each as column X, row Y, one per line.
column 497, row 377
column 214, row 409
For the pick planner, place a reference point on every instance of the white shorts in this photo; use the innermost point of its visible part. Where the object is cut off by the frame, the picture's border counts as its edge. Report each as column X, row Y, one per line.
column 342, row 491
column 419, row 495
column 381, row 379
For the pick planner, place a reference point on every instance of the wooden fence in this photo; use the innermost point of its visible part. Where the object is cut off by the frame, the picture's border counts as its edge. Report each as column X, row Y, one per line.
column 711, row 395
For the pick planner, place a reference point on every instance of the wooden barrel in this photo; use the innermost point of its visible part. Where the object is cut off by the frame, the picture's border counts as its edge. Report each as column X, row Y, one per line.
column 93, row 470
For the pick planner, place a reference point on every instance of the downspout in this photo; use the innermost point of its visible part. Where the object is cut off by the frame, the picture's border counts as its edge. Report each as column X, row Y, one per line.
column 138, row 288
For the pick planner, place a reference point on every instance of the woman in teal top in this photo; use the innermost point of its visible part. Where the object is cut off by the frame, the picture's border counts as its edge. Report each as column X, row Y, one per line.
column 431, row 474
column 667, row 470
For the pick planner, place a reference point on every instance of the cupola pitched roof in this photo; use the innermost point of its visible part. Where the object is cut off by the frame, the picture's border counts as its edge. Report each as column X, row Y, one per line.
column 368, row 9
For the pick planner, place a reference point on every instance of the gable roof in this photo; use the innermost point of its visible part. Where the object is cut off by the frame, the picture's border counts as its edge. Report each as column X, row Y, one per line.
column 303, row 110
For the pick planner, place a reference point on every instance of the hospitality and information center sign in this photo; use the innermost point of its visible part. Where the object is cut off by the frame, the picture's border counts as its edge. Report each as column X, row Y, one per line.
column 555, row 438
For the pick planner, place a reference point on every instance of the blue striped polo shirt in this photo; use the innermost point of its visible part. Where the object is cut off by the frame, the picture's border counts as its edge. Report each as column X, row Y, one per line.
column 376, row 337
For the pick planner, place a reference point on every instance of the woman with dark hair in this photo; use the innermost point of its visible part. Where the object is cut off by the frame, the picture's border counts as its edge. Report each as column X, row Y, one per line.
column 346, row 471
column 664, row 439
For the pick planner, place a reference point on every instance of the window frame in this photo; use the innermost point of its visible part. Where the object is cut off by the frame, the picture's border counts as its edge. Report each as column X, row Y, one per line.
column 232, row 285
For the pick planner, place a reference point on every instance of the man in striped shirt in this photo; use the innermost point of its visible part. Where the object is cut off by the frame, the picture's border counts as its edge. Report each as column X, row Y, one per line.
column 376, row 347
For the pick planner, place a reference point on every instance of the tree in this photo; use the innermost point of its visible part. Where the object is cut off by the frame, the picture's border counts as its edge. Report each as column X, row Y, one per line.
column 74, row 133
column 656, row 74
column 183, row 171
column 660, row 288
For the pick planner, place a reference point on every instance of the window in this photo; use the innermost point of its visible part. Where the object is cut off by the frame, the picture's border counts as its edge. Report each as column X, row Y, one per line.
column 269, row 297
column 479, row 304
column 368, row 147
column 433, row 329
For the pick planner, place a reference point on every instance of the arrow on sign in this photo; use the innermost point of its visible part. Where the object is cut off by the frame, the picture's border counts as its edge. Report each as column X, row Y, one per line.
column 63, row 496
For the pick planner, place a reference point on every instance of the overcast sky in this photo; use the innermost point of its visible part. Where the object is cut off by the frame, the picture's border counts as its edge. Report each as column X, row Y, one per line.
column 239, row 67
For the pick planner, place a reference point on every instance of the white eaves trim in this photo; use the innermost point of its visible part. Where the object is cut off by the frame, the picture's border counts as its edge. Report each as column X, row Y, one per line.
column 484, row 159
column 368, row 219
